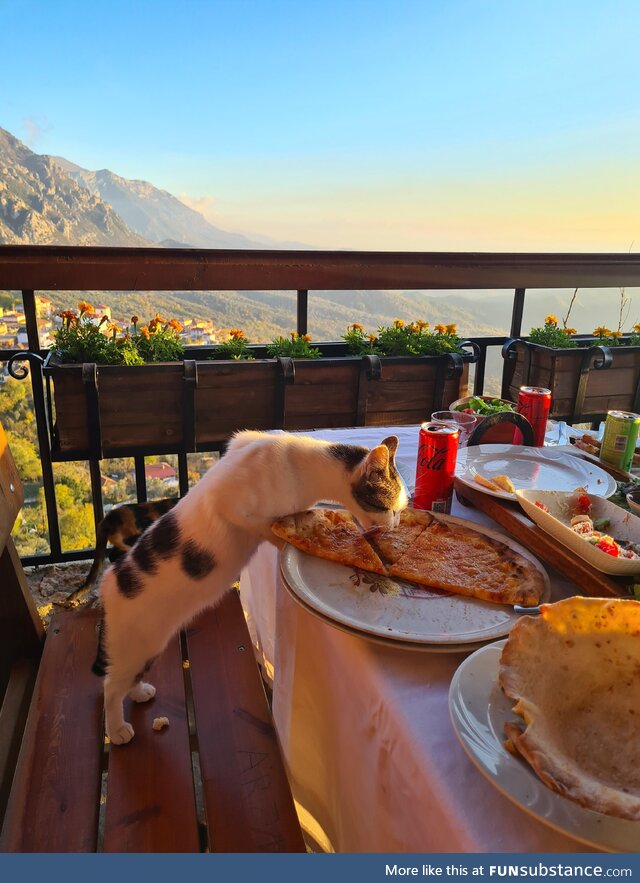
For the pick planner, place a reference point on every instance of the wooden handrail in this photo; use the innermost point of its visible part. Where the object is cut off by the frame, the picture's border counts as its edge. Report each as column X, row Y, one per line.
column 51, row 268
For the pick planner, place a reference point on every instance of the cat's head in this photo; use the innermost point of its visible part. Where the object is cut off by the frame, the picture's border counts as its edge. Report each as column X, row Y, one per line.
column 378, row 494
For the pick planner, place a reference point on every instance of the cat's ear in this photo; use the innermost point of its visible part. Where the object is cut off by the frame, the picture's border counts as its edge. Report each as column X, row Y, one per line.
column 377, row 459
column 392, row 443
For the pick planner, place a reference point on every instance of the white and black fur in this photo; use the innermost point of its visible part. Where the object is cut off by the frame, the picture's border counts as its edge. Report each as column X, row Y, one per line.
column 190, row 557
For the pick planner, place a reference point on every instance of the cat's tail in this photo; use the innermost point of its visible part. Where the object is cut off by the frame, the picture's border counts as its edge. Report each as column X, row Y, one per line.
column 99, row 667
column 78, row 596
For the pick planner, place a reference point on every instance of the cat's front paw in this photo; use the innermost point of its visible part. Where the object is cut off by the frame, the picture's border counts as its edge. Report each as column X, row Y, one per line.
column 122, row 735
column 142, row 692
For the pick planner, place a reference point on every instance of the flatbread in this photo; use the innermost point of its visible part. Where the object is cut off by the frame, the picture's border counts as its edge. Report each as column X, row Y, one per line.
column 329, row 533
column 574, row 675
column 458, row 559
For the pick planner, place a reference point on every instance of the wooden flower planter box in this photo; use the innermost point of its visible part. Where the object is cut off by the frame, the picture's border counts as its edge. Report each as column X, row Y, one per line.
column 113, row 411
column 585, row 382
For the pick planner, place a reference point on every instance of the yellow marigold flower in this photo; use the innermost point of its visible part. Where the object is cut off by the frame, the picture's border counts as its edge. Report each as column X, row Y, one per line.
column 440, row 328
column 356, row 327
column 160, row 320
column 570, row 331
column 293, row 335
column 636, row 327
column 452, row 329
column 134, row 320
column 306, row 338
column 144, row 331
column 115, row 328
column 86, row 308
column 551, row 320
column 398, row 323
column 616, row 334
column 601, row 331
column 422, row 325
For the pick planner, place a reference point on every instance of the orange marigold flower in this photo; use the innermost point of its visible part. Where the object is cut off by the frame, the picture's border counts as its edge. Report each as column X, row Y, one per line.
column 294, row 334
column 570, row 331
column 373, row 338
column 114, row 328
column 452, row 329
column 176, row 326
column 356, row 327
column 86, row 308
column 236, row 333
column 440, row 328
column 616, row 334
column 601, row 331
column 160, row 320
column 398, row 323
column 636, row 327
column 144, row 331
column 153, row 325
column 551, row 320
column 422, row 325
column 306, row 338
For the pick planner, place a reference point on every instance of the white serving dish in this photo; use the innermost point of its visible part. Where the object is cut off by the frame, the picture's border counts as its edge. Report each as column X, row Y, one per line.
column 624, row 526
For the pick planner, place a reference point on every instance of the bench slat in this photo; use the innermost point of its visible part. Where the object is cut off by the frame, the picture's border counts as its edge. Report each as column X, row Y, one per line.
column 247, row 796
column 56, row 790
column 150, row 792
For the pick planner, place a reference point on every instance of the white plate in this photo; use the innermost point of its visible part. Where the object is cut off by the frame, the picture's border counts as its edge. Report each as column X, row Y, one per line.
column 546, row 469
column 386, row 642
column 386, row 608
column 624, row 526
column 479, row 710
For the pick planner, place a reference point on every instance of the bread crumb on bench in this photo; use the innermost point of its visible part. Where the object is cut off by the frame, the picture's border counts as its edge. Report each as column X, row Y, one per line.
column 159, row 723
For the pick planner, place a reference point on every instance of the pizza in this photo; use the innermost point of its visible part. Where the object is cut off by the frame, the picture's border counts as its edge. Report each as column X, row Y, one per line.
column 332, row 534
column 426, row 549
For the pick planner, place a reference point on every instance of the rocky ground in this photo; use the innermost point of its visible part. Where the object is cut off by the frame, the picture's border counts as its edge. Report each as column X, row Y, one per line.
column 50, row 585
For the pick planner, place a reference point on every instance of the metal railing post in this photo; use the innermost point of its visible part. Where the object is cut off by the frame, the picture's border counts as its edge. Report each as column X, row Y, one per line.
column 303, row 310
column 39, row 406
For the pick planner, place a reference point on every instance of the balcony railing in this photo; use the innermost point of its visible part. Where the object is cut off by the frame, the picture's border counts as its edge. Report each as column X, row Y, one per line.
column 32, row 269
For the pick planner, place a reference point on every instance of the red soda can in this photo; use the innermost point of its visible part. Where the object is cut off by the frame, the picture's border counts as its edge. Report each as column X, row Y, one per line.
column 436, row 466
column 534, row 403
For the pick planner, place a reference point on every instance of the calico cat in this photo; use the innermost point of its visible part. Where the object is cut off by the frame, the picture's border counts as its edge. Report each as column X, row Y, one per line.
column 122, row 527
column 190, row 557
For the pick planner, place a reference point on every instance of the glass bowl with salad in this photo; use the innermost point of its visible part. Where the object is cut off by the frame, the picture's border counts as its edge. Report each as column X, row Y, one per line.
column 484, row 406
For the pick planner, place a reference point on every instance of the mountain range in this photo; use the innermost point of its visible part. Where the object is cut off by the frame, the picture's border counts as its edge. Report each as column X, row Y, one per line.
column 51, row 200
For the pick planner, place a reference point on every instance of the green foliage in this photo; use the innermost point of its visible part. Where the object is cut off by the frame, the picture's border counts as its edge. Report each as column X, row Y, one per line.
column 399, row 339
column 551, row 335
column 237, row 347
column 82, row 338
column 295, row 347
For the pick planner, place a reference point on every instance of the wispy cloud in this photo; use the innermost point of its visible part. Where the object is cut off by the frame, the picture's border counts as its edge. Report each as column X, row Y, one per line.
column 34, row 128
column 202, row 204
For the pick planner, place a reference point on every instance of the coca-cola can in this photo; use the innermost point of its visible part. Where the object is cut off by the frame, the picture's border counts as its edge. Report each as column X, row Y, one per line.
column 436, row 466
column 534, row 403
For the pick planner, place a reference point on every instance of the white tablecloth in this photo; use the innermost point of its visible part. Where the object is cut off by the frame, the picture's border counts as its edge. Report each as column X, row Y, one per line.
column 374, row 762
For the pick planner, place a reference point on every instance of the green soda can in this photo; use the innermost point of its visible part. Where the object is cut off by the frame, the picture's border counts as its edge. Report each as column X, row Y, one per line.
column 619, row 440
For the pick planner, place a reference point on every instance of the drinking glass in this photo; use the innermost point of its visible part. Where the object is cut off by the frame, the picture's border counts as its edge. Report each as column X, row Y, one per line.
column 464, row 422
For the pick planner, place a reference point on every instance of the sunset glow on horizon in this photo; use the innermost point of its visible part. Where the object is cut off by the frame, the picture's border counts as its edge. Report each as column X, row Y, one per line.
column 371, row 125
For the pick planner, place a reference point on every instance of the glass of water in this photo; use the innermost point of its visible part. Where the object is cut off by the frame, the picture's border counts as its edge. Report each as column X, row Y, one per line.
column 465, row 423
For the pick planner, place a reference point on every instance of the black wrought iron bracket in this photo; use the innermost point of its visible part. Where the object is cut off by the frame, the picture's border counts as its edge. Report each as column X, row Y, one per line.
column 20, row 372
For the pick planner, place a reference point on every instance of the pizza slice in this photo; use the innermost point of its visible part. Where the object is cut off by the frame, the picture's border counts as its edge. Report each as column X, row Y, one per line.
column 392, row 544
column 331, row 534
column 456, row 559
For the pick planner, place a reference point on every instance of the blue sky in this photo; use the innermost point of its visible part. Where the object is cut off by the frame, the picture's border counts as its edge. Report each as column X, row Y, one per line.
column 401, row 124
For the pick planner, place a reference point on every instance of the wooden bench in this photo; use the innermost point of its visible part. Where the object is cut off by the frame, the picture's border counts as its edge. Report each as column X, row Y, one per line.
column 213, row 780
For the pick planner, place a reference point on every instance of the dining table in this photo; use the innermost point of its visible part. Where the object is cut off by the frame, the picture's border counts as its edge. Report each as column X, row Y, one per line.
column 365, row 726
